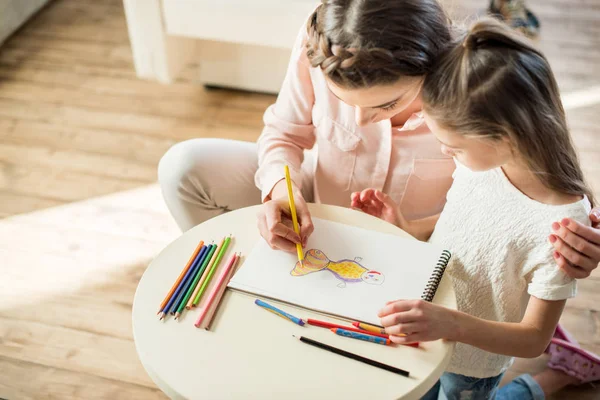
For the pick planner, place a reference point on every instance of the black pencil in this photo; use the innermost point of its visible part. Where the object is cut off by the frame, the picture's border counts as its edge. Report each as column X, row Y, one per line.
column 353, row 356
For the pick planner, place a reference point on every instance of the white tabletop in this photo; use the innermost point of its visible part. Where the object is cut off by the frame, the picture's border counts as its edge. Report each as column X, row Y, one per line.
column 250, row 353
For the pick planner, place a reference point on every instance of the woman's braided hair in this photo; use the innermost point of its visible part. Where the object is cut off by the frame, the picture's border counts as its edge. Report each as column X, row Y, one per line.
column 362, row 43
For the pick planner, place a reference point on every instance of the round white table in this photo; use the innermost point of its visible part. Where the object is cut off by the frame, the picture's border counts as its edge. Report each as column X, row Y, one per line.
column 250, row 353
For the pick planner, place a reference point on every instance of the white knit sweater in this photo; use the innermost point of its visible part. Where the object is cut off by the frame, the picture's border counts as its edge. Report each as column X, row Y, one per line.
column 500, row 255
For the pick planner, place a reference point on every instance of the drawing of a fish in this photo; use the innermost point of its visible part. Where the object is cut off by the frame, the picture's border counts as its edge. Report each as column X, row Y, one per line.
column 347, row 271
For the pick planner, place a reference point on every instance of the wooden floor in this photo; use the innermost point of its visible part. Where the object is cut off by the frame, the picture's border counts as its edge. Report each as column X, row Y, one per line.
column 80, row 138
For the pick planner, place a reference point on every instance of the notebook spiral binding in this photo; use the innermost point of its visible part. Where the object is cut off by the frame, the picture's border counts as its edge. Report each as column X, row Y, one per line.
column 436, row 277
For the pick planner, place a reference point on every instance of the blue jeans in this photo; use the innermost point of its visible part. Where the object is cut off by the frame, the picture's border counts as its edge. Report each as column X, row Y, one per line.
column 459, row 387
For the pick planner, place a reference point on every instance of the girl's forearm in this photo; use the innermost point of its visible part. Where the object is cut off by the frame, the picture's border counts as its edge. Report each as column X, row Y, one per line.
column 421, row 229
column 507, row 338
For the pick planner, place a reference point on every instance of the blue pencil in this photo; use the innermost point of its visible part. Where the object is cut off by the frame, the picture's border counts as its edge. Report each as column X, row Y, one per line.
column 188, row 281
column 361, row 336
column 168, row 306
column 279, row 312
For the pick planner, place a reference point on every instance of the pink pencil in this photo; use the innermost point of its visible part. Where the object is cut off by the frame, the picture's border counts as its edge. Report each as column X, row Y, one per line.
column 208, row 320
column 218, row 289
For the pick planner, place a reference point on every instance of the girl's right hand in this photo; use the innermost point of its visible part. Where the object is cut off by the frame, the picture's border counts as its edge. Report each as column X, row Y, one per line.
column 378, row 204
column 275, row 220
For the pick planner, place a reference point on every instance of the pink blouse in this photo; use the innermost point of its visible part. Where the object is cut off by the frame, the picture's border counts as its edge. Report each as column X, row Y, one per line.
column 405, row 162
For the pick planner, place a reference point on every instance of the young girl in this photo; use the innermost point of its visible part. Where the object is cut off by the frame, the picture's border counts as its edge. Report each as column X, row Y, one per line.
column 494, row 106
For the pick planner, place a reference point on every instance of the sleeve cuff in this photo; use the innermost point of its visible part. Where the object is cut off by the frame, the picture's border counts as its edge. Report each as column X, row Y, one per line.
column 545, row 292
column 266, row 181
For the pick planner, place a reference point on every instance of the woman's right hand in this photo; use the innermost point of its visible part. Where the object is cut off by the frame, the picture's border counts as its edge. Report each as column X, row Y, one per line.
column 275, row 220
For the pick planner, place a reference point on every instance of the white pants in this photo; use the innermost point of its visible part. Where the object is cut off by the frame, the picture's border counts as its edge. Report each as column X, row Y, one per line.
column 203, row 178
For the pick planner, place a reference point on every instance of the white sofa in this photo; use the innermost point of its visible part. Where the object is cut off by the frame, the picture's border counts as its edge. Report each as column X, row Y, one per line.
column 236, row 43
column 13, row 13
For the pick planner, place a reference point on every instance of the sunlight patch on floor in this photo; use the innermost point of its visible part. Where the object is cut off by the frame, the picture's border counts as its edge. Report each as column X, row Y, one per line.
column 62, row 249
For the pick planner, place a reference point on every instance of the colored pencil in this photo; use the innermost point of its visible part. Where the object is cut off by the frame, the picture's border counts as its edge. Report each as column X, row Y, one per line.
column 181, row 275
column 217, row 303
column 279, row 312
column 367, row 327
column 212, row 270
column 329, row 325
column 187, row 280
column 288, row 180
column 378, row 329
column 173, row 298
column 197, row 276
column 353, row 356
column 221, row 281
column 361, row 336
column 190, row 303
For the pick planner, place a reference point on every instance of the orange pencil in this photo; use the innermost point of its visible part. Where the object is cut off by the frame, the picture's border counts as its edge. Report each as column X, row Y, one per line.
column 190, row 303
column 189, row 264
column 221, row 282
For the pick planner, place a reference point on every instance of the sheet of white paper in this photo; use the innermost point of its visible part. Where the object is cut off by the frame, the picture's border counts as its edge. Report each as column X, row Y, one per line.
column 337, row 277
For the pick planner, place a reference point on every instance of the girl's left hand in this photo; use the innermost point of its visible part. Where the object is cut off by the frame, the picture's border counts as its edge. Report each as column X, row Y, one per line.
column 577, row 246
column 419, row 320
column 377, row 204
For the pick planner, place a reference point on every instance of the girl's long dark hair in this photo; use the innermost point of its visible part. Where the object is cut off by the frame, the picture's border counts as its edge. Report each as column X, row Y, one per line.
column 493, row 83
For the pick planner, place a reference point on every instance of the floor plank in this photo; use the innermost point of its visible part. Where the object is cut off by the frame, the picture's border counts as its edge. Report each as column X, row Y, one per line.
column 13, row 203
column 137, row 147
column 155, row 125
column 27, row 381
column 65, row 185
column 72, row 350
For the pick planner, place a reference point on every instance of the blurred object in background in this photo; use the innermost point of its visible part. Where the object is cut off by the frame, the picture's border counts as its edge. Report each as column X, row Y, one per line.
column 516, row 15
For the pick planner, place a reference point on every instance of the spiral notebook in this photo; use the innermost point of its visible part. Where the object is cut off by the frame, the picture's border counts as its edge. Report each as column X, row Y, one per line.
column 348, row 272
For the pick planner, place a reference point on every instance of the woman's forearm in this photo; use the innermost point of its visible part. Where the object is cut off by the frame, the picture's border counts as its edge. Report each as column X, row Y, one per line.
column 507, row 338
column 280, row 190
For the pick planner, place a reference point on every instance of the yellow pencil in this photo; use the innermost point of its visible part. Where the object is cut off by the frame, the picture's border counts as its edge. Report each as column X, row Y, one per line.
column 288, row 180
column 369, row 328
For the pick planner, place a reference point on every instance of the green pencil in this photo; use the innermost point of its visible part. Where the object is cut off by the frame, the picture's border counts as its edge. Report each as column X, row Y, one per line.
column 212, row 270
column 196, row 279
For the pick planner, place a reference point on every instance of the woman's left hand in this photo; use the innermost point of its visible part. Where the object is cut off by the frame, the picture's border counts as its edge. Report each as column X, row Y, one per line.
column 577, row 246
column 418, row 320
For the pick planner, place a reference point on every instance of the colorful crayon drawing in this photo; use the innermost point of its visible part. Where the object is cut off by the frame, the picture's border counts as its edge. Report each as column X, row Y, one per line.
column 347, row 271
